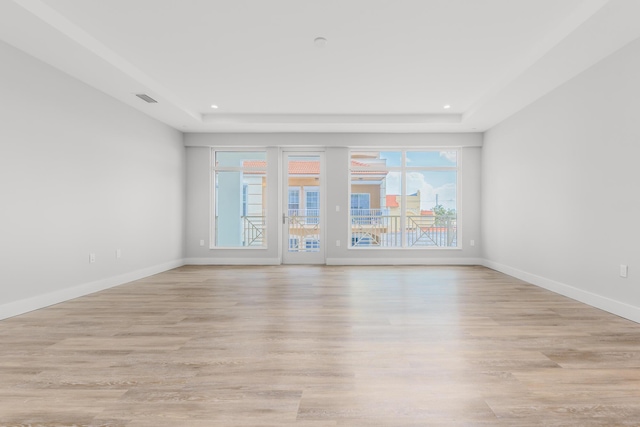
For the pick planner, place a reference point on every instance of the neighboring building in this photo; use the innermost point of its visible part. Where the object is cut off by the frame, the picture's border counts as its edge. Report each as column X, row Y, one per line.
column 394, row 204
column 367, row 188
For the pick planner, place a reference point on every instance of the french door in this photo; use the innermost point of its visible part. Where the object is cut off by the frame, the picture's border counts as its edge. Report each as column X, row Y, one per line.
column 303, row 207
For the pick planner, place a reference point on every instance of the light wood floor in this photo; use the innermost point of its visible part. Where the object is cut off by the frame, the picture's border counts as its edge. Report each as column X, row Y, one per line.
column 320, row 346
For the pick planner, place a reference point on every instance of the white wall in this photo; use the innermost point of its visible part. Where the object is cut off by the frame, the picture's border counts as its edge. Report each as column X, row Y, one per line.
column 560, row 203
column 337, row 160
column 80, row 172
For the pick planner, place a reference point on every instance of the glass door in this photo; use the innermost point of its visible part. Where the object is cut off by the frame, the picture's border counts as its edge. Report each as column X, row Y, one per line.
column 302, row 210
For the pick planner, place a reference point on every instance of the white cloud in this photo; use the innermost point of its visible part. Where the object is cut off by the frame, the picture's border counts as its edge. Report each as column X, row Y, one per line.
column 449, row 155
column 446, row 193
column 416, row 182
column 393, row 183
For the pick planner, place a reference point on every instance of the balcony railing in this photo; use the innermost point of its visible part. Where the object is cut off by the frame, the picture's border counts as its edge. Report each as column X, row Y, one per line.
column 305, row 216
column 253, row 230
column 304, row 230
column 369, row 227
column 366, row 216
column 386, row 231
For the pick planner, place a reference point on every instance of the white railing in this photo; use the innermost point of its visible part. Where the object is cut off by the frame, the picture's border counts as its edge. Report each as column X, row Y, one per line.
column 386, row 231
column 372, row 229
column 305, row 216
column 367, row 216
column 304, row 230
column 253, row 230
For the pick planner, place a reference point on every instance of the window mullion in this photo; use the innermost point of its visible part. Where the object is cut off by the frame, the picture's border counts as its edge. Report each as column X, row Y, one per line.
column 403, row 201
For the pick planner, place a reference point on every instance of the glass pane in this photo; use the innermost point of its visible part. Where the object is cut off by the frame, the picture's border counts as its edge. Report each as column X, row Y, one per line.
column 431, row 208
column 371, row 159
column 375, row 209
column 240, row 208
column 247, row 159
column 360, row 201
column 294, row 199
column 304, row 203
column 312, row 204
column 432, row 158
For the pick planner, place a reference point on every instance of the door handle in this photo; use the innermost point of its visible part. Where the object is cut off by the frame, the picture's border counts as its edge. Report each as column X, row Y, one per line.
column 284, row 218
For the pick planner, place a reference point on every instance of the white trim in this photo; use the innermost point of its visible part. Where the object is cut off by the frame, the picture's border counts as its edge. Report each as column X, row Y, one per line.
column 232, row 261
column 604, row 303
column 41, row 301
column 404, row 261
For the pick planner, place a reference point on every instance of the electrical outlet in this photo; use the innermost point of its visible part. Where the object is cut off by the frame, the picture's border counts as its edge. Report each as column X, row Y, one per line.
column 201, row 242
column 472, row 243
column 337, row 242
column 624, row 270
column 92, row 258
column 118, row 253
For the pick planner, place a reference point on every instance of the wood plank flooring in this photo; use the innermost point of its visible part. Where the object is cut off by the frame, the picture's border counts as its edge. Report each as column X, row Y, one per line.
column 320, row 346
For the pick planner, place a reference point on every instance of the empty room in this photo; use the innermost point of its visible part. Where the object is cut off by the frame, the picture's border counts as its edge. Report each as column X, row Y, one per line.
column 338, row 213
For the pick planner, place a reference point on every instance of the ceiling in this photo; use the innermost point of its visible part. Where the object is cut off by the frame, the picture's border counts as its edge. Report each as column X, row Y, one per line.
column 386, row 66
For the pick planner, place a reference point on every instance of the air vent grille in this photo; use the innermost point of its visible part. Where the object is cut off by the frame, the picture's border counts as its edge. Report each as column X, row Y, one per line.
column 146, row 98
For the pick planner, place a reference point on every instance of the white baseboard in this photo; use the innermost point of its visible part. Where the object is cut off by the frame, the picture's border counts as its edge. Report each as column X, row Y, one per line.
column 232, row 261
column 338, row 261
column 40, row 301
column 404, row 261
column 607, row 304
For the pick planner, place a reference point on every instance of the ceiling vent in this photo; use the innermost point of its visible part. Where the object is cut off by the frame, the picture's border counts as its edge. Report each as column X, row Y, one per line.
column 146, row 98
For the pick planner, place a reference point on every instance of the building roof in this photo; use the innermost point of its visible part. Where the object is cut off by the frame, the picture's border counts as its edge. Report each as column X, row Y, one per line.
column 357, row 164
column 429, row 213
column 392, row 201
column 300, row 167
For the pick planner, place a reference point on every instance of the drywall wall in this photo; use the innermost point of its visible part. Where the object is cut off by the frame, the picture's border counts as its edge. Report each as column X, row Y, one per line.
column 560, row 206
column 80, row 173
column 336, row 151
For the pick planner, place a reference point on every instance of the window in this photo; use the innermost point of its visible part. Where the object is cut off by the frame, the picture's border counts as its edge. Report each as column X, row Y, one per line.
column 404, row 198
column 360, row 201
column 245, row 199
column 361, row 212
column 239, row 199
column 312, row 205
column 311, row 243
column 294, row 243
column 294, row 201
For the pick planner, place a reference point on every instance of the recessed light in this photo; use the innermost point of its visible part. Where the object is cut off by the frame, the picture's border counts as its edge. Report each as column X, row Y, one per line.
column 446, row 107
column 214, row 106
column 320, row 42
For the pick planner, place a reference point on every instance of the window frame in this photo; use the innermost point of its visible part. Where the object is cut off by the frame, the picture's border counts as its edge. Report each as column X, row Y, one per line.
column 213, row 169
column 403, row 169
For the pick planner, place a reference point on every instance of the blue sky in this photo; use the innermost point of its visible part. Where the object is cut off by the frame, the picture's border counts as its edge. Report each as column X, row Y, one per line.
column 430, row 183
column 421, row 158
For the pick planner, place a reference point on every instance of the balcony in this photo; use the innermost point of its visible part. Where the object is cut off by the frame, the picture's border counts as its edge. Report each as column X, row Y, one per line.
column 369, row 228
column 373, row 227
